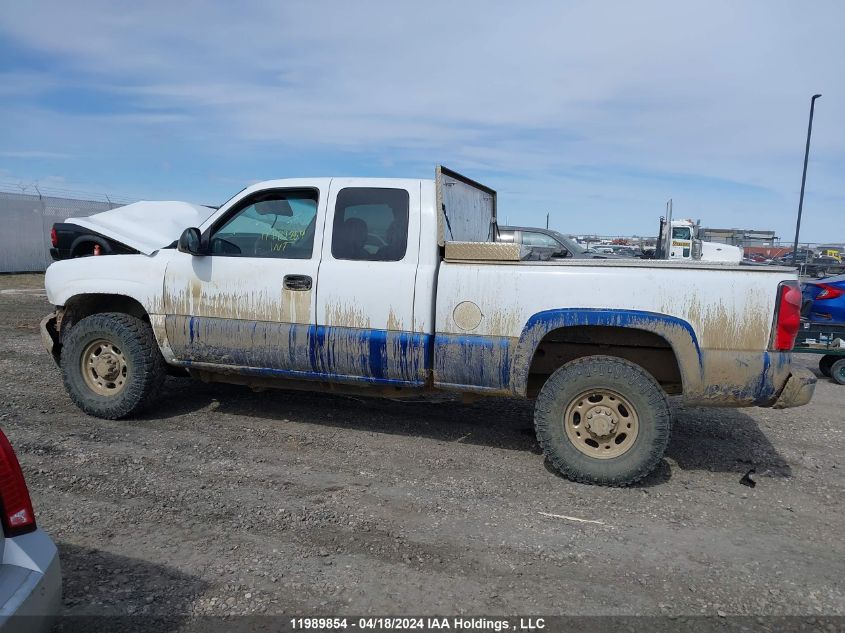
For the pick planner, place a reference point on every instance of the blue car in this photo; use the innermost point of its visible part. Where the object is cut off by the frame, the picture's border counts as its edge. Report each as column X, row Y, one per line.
column 824, row 300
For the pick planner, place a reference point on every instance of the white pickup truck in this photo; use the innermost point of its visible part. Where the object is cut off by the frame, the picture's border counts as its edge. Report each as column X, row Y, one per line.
column 390, row 287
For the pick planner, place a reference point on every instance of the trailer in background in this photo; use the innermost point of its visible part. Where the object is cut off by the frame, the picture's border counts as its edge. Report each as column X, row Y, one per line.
column 829, row 342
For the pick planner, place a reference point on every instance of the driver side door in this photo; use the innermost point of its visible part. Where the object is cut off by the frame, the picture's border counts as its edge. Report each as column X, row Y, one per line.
column 250, row 302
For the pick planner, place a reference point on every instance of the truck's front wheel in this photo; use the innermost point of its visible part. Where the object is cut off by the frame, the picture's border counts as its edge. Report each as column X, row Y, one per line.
column 603, row 420
column 111, row 364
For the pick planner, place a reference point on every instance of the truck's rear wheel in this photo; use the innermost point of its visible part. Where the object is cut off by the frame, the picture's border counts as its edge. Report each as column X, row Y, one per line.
column 825, row 363
column 837, row 371
column 111, row 364
column 603, row 420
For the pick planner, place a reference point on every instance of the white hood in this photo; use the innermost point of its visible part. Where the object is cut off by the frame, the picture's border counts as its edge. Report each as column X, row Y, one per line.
column 716, row 252
column 145, row 226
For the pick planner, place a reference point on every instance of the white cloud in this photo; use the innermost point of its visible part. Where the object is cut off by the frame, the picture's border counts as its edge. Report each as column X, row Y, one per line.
column 607, row 105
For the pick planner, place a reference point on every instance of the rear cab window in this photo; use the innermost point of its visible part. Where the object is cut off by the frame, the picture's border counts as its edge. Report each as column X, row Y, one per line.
column 370, row 224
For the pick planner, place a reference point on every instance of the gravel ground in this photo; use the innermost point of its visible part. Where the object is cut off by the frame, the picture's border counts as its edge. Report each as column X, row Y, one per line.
column 225, row 501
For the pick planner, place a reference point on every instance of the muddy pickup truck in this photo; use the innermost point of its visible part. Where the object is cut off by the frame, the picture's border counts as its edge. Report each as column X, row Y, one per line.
column 392, row 287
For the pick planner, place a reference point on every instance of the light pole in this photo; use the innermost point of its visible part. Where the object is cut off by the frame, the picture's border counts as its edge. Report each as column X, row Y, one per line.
column 803, row 180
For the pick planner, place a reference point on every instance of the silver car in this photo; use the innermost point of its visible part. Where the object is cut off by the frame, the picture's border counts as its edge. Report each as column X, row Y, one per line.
column 558, row 245
column 30, row 573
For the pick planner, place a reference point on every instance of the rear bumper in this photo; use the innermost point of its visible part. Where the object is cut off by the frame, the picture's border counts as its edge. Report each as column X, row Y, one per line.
column 798, row 389
column 38, row 598
column 59, row 254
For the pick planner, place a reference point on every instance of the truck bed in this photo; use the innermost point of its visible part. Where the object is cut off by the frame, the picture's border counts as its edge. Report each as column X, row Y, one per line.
column 715, row 318
column 458, row 258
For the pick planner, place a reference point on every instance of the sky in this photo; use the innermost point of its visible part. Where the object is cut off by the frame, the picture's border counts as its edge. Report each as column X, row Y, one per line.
column 594, row 112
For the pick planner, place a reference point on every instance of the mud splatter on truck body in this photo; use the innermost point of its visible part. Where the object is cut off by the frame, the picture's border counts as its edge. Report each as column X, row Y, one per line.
column 394, row 305
column 489, row 326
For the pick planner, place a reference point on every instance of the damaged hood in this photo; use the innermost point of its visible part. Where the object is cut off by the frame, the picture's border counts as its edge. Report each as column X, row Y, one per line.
column 145, row 226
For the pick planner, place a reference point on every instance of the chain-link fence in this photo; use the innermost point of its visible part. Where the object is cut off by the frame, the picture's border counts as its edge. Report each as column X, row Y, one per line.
column 26, row 221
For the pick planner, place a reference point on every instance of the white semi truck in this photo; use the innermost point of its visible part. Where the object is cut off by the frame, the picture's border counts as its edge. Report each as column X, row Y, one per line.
column 679, row 240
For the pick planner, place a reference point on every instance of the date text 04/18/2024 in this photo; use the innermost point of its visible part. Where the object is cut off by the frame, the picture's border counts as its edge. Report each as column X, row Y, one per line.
column 419, row 624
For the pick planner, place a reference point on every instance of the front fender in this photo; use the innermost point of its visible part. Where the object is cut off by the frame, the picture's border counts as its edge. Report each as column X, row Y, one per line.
column 139, row 277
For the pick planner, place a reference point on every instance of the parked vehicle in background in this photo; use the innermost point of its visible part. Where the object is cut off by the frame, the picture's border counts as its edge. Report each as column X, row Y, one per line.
column 821, row 267
column 824, row 300
column 803, row 255
column 678, row 240
column 627, row 251
column 832, row 252
column 827, row 340
column 30, row 573
column 283, row 286
column 559, row 246
column 98, row 235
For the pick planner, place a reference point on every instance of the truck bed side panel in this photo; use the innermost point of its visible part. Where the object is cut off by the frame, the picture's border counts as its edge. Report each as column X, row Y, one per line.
column 717, row 322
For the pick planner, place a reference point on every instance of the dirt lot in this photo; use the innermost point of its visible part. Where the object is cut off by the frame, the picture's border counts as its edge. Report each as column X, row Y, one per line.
column 222, row 500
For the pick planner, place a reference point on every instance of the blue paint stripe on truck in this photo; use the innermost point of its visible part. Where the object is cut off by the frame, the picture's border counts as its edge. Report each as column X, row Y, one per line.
column 302, row 350
column 679, row 334
column 640, row 319
column 474, row 362
column 478, row 362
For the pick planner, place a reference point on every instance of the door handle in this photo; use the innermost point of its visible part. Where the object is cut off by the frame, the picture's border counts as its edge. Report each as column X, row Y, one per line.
column 297, row 282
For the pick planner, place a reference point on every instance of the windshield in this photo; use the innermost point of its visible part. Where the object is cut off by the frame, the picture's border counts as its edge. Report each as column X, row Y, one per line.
column 681, row 233
column 571, row 245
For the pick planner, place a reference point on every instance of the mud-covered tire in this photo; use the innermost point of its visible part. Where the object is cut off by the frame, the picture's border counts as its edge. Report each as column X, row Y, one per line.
column 609, row 375
column 825, row 363
column 837, row 371
column 145, row 368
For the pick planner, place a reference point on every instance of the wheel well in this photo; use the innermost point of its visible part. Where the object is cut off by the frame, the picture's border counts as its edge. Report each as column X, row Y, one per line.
column 85, row 246
column 81, row 306
column 650, row 351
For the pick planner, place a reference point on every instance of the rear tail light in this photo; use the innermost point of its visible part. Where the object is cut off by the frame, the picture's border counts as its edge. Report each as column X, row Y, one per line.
column 788, row 316
column 829, row 292
column 15, row 505
column 54, row 237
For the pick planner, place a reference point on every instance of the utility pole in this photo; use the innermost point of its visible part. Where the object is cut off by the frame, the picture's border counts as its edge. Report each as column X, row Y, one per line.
column 547, row 221
column 803, row 180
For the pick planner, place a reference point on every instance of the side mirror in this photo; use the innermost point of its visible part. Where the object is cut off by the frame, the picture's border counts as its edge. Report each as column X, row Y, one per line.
column 190, row 241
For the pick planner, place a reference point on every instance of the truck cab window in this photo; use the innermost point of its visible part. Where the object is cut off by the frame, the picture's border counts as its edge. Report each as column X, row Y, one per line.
column 370, row 224
column 681, row 233
column 276, row 224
